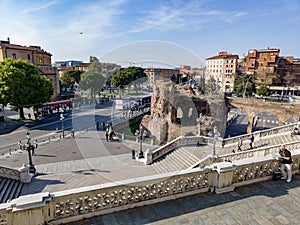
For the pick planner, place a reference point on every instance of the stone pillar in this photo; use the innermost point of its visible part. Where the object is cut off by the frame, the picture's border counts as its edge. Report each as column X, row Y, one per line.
column 148, row 157
column 223, row 176
column 25, row 176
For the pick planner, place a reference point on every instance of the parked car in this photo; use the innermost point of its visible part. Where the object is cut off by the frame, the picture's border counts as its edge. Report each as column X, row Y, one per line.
column 275, row 95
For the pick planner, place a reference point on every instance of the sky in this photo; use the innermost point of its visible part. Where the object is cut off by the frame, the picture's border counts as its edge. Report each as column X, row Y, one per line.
column 124, row 30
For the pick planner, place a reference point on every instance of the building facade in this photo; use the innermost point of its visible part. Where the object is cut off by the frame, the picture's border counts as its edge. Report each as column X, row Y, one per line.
column 155, row 74
column 223, row 68
column 34, row 55
column 271, row 69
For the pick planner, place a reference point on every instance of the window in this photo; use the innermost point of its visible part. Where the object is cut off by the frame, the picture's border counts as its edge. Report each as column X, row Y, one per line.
column 28, row 57
column 14, row 56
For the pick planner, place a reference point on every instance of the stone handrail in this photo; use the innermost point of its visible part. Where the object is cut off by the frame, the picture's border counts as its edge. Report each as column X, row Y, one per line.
column 180, row 141
column 263, row 133
column 259, row 152
column 165, row 148
column 249, row 154
column 77, row 204
column 9, row 172
column 22, row 174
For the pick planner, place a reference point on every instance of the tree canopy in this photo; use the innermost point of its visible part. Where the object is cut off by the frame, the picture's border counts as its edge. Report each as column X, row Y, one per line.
column 129, row 75
column 263, row 90
column 211, row 86
column 70, row 77
column 96, row 75
column 21, row 85
column 244, row 85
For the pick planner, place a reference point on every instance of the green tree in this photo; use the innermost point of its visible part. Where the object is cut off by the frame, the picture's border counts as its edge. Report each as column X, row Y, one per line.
column 263, row 90
column 131, row 75
column 244, row 85
column 211, row 86
column 201, row 86
column 70, row 77
column 96, row 75
column 21, row 85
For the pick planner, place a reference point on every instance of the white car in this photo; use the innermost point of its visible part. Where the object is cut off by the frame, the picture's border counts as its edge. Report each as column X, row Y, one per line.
column 275, row 95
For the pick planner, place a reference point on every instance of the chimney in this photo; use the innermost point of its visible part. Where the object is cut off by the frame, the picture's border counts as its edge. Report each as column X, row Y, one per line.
column 8, row 40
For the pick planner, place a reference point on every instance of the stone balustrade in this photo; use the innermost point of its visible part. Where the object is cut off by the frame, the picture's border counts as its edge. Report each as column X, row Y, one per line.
column 180, row 141
column 77, row 204
column 263, row 133
column 21, row 174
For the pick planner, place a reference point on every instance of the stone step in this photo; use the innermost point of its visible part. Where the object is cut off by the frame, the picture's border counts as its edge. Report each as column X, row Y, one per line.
column 4, row 189
column 176, row 160
column 9, row 189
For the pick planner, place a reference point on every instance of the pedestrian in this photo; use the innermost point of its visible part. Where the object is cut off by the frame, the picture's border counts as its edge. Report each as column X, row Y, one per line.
column 97, row 125
column 32, row 149
column 251, row 139
column 286, row 164
column 240, row 143
column 20, row 145
column 73, row 133
column 35, row 144
column 107, row 133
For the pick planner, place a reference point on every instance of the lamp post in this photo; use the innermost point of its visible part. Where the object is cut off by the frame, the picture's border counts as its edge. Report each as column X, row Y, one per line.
column 216, row 136
column 140, row 134
column 62, row 118
column 199, row 121
column 29, row 147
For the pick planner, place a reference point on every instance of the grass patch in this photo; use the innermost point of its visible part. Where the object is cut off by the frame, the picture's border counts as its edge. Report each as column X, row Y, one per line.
column 130, row 130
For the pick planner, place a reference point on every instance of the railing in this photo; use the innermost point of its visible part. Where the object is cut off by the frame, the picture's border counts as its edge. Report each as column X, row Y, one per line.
column 21, row 174
column 243, row 155
column 77, row 204
column 263, row 133
column 180, row 141
column 9, row 172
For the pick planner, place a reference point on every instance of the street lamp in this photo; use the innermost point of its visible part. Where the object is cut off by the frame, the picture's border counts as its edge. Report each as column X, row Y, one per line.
column 29, row 148
column 62, row 118
column 140, row 134
column 199, row 121
column 216, row 136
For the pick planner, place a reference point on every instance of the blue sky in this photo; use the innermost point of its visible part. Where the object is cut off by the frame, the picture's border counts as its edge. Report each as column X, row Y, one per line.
column 204, row 27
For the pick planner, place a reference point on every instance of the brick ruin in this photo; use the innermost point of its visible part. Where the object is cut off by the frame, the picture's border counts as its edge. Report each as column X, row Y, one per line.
column 175, row 111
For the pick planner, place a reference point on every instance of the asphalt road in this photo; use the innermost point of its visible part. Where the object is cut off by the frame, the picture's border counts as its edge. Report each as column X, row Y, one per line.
column 82, row 119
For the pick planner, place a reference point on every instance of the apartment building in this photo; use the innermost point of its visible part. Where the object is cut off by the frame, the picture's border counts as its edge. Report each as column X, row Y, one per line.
column 272, row 69
column 34, row 55
column 155, row 74
column 222, row 68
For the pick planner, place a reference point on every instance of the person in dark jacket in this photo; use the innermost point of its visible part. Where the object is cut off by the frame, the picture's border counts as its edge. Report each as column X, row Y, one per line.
column 286, row 164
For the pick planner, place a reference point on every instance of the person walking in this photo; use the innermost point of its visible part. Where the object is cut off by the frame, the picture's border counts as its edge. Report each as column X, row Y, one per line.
column 251, row 139
column 286, row 164
column 106, row 132
column 240, row 143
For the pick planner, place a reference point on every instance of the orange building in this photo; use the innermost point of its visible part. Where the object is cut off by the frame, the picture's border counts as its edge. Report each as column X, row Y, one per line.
column 34, row 55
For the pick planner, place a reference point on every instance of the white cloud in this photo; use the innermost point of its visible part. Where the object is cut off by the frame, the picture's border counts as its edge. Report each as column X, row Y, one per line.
column 189, row 14
column 38, row 7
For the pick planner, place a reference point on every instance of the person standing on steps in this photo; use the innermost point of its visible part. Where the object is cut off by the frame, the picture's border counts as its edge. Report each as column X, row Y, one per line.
column 286, row 164
column 240, row 143
column 251, row 139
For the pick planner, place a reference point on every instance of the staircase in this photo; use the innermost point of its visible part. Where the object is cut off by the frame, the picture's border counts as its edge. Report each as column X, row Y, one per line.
column 184, row 157
column 261, row 142
column 176, row 160
column 9, row 189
